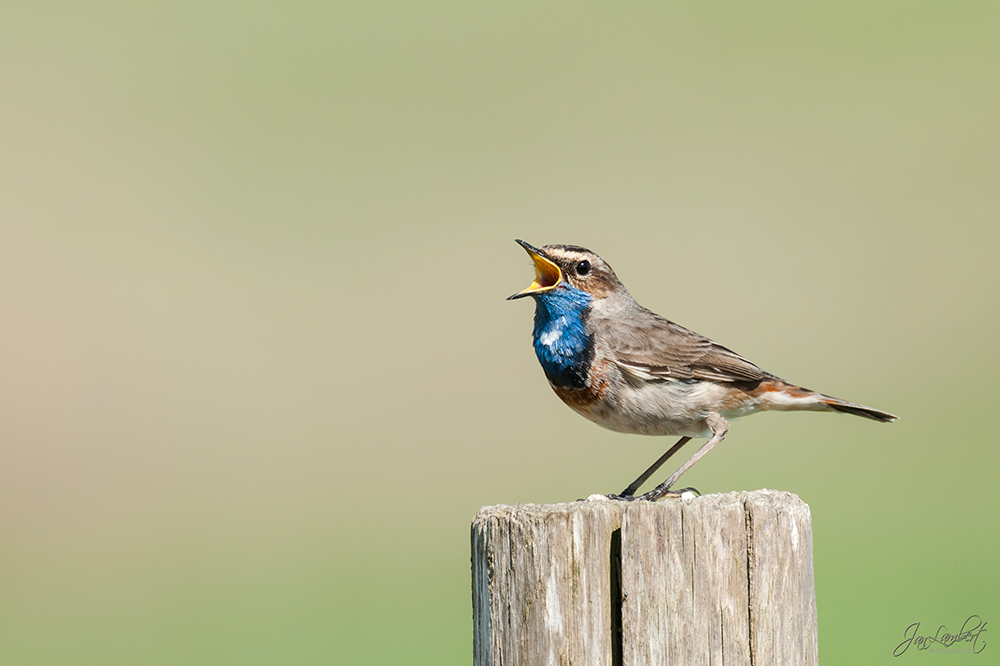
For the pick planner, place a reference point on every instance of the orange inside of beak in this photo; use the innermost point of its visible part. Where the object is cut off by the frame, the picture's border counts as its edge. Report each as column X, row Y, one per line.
column 547, row 275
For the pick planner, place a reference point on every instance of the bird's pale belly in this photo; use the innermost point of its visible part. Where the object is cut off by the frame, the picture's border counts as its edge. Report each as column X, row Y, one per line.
column 668, row 407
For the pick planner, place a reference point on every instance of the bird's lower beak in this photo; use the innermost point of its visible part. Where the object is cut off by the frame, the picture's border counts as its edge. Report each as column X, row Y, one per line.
column 547, row 274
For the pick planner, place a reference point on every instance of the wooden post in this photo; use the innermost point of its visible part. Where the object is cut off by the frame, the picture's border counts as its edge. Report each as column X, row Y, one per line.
column 714, row 579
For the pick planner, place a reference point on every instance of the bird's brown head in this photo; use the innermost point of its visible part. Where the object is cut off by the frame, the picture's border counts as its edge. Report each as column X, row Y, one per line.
column 569, row 265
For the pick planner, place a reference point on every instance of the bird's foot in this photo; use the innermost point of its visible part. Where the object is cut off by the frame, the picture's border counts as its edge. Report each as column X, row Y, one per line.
column 621, row 498
column 651, row 496
column 657, row 493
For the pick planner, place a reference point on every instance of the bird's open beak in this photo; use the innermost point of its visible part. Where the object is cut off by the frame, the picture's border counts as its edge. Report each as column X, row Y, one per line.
column 547, row 274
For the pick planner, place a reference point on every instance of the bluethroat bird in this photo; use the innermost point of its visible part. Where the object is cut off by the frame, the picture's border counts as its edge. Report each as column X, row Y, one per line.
column 630, row 370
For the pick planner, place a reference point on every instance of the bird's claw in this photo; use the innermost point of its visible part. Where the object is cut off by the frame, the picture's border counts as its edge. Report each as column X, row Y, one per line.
column 683, row 493
column 622, row 498
column 651, row 496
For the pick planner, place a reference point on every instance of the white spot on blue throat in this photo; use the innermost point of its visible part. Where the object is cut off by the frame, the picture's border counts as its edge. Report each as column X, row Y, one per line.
column 551, row 334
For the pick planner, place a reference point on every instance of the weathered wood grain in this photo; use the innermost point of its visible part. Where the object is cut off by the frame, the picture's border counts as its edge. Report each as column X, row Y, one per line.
column 684, row 577
column 715, row 579
column 782, row 588
column 542, row 583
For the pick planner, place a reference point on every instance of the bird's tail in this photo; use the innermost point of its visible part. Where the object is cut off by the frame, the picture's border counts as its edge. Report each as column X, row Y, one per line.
column 780, row 395
column 838, row 405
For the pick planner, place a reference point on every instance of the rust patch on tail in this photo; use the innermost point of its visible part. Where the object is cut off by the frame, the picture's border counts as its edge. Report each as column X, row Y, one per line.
column 781, row 386
column 777, row 394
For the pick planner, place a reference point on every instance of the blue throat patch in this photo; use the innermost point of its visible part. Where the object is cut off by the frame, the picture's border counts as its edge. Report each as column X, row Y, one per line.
column 561, row 342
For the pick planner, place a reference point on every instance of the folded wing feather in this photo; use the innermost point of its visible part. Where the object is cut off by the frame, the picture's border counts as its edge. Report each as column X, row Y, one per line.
column 661, row 349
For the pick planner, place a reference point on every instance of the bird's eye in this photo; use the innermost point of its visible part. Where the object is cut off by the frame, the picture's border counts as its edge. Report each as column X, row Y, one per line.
column 583, row 267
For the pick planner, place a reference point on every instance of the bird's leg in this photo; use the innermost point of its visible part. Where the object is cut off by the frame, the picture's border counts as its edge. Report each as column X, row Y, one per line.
column 635, row 485
column 719, row 428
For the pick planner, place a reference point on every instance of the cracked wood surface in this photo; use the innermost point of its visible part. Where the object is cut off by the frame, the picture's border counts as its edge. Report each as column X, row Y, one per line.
column 718, row 579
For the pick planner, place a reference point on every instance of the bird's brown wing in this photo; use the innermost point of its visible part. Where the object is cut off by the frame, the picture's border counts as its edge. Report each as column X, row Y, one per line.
column 660, row 349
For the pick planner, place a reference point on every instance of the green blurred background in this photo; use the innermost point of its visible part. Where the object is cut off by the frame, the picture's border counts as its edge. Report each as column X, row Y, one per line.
column 258, row 374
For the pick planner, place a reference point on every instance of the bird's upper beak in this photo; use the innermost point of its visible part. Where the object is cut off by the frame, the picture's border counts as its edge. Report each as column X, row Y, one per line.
column 547, row 274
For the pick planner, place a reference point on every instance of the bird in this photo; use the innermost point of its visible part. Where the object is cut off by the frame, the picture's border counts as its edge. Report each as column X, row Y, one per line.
column 632, row 371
